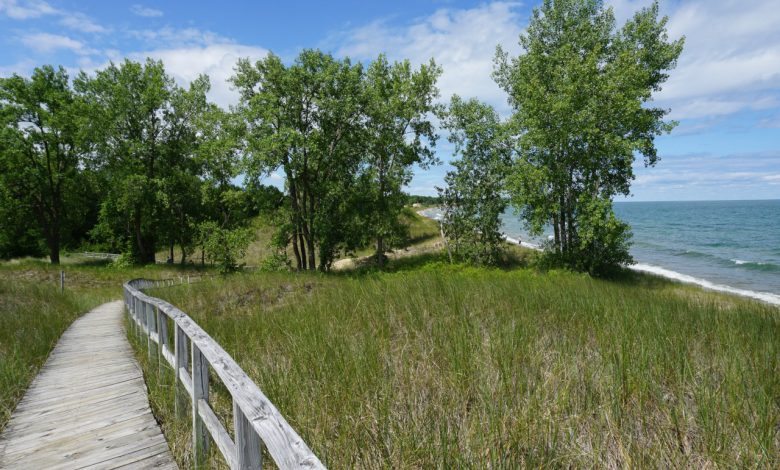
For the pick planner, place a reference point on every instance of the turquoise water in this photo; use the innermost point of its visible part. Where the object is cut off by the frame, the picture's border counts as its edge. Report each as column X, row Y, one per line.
column 726, row 243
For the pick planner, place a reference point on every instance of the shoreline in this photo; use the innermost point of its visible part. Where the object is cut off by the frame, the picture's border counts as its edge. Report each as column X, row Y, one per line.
column 766, row 297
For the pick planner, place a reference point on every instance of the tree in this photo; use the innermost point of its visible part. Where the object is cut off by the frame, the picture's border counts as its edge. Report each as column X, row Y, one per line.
column 143, row 126
column 42, row 146
column 304, row 120
column 474, row 198
column 399, row 134
column 224, row 246
column 581, row 93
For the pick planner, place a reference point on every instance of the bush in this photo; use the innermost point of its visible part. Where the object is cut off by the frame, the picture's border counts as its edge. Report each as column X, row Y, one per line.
column 224, row 247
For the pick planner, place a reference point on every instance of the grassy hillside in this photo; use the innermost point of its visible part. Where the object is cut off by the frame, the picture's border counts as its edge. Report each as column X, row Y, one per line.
column 442, row 366
column 432, row 365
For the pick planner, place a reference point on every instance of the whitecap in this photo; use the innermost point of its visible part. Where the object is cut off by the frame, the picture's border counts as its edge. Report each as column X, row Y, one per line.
column 767, row 297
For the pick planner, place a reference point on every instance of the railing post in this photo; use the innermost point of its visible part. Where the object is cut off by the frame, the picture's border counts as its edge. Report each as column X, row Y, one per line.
column 181, row 361
column 248, row 444
column 139, row 318
column 149, row 329
column 162, row 338
column 200, row 391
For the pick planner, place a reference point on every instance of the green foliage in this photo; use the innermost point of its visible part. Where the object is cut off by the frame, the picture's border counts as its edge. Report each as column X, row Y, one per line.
column 278, row 261
column 423, row 200
column 19, row 234
column 399, row 134
column 42, row 150
column 581, row 92
column 143, row 127
column 224, row 247
column 474, row 199
column 123, row 261
column 304, row 120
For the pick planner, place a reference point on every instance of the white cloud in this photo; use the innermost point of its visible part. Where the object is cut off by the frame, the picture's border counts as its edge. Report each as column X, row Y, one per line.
column 730, row 63
column 731, row 57
column 26, row 10
column 36, row 9
column 714, row 106
column 147, row 12
column 45, row 42
column 710, row 176
column 168, row 37
column 82, row 23
column 215, row 60
column 463, row 42
column 774, row 179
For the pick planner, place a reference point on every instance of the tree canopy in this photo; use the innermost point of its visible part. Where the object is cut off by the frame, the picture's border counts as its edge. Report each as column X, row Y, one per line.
column 581, row 93
column 128, row 160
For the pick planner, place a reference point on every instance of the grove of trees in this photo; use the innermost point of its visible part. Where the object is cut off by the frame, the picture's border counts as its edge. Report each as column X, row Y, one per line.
column 127, row 160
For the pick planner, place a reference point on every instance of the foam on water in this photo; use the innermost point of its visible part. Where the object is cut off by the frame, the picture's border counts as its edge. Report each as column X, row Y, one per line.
column 773, row 299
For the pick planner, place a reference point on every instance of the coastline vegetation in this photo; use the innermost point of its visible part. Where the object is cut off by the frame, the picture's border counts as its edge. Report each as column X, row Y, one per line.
column 439, row 365
column 385, row 339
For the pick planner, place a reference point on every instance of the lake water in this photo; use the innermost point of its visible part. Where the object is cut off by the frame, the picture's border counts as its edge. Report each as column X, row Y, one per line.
column 725, row 245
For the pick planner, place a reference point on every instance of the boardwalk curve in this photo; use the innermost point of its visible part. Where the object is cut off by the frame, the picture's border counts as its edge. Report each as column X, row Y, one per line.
column 88, row 406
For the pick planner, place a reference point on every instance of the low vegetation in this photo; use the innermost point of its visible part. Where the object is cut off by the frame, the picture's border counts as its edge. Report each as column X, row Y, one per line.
column 32, row 318
column 34, row 313
column 448, row 366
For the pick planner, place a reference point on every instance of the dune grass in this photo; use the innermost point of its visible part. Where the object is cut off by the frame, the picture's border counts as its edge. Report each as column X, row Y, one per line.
column 33, row 312
column 32, row 317
column 439, row 366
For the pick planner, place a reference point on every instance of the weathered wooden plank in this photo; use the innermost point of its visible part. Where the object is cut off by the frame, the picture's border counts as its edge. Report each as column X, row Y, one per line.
column 181, row 362
column 218, row 432
column 87, row 406
column 248, row 446
column 286, row 447
column 200, row 393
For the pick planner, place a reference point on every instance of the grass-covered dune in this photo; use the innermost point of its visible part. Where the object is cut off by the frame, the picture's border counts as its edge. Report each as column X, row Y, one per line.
column 443, row 366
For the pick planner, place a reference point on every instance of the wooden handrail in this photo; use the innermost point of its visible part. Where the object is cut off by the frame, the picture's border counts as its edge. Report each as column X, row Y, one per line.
column 256, row 420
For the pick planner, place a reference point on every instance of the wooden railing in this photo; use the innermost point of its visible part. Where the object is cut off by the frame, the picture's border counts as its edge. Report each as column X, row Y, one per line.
column 256, row 420
column 92, row 254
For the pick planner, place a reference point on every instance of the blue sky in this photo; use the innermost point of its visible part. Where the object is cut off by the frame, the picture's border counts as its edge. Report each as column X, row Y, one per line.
column 725, row 91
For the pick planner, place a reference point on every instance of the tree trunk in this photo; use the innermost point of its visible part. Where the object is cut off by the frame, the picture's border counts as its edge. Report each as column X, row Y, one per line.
column 380, row 251
column 54, row 246
column 295, row 215
column 295, row 250
column 309, row 233
column 564, row 225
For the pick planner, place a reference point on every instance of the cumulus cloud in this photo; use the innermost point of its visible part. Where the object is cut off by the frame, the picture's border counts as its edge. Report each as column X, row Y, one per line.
column 731, row 58
column 26, row 10
column 45, row 42
column 215, row 60
column 463, row 42
column 147, row 12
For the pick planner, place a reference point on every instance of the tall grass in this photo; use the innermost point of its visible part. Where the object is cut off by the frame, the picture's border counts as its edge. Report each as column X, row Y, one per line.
column 32, row 318
column 450, row 367
column 33, row 313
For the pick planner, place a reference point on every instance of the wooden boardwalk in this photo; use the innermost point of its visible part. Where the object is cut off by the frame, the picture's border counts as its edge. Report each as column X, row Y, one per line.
column 88, row 406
